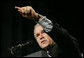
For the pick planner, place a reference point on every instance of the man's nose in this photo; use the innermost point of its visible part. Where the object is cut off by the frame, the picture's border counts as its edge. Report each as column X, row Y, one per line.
column 41, row 36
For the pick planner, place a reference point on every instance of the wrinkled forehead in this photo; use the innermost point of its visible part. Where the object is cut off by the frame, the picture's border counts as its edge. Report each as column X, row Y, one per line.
column 38, row 28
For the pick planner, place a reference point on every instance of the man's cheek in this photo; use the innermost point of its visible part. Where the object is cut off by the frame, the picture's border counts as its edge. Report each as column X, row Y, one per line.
column 45, row 35
column 39, row 42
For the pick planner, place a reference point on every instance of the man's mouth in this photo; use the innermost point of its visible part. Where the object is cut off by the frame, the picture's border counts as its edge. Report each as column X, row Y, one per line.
column 43, row 41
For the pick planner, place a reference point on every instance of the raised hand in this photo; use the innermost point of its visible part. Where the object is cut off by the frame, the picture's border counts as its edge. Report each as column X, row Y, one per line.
column 27, row 12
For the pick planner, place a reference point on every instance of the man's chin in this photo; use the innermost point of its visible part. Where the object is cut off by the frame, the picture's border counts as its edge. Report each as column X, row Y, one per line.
column 45, row 46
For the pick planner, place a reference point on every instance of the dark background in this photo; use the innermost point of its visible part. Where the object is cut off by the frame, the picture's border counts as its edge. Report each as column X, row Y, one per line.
column 15, row 29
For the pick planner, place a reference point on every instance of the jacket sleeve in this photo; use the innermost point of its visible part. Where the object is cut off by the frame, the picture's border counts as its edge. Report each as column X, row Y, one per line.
column 66, row 42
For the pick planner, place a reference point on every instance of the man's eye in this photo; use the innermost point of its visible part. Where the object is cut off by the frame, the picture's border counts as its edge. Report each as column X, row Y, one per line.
column 37, row 35
column 43, row 31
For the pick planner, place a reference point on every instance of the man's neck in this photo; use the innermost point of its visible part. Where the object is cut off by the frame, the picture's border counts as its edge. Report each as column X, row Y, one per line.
column 49, row 47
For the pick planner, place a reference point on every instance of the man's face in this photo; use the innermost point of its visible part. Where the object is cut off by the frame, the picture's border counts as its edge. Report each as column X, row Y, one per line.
column 43, row 39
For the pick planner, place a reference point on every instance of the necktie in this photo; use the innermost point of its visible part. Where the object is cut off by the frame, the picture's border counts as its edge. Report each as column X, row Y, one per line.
column 48, row 54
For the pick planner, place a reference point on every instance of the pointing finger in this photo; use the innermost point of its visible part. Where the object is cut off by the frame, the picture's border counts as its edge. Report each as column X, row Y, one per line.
column 17, row 7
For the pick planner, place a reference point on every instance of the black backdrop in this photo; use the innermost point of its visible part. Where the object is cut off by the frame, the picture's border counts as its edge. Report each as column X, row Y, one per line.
column 15, row 29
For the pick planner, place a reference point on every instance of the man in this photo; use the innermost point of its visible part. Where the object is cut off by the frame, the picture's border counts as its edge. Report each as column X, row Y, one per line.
column 54, row 40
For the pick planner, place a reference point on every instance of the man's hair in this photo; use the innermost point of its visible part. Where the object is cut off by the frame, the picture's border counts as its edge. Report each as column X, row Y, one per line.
column 35, row 28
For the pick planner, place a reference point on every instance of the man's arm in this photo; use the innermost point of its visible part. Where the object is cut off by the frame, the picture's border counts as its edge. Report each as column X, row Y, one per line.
column 62, row 37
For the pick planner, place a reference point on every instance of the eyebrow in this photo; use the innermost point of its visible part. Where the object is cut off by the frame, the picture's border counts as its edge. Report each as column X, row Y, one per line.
column 38, row 33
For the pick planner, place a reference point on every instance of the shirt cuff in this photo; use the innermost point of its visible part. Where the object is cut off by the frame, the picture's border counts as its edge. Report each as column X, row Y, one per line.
column 46, row 24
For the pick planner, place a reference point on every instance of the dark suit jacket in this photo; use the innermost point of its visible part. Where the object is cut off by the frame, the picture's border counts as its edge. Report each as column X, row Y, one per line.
column 66, row 45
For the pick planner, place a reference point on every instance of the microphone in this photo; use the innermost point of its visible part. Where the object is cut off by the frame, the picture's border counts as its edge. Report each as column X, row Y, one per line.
column 14, row 48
